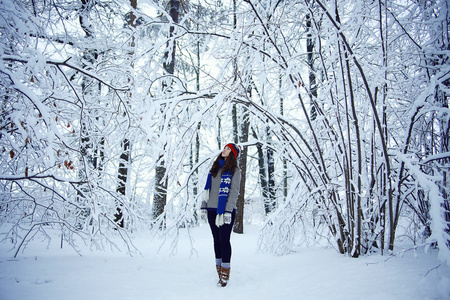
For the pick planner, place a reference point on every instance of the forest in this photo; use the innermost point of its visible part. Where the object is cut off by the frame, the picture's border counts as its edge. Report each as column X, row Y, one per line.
column 114, row 110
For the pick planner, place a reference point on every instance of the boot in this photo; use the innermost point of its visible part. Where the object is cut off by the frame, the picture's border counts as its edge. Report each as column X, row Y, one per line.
column 219, row 269
column 224, row 276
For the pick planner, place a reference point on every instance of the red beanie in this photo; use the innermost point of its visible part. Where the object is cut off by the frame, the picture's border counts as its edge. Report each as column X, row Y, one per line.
column 234, row 148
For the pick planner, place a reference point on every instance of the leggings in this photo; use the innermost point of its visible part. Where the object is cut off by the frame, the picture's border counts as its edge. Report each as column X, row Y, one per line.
column 221, row 236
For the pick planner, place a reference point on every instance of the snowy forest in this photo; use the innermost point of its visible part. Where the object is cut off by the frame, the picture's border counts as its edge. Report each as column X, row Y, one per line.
column 114, row 110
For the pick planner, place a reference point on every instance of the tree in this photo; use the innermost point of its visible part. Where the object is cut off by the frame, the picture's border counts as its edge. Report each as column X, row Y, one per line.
column 358, row 122
column 51, row 177
column 125, row 156
column 160, row 196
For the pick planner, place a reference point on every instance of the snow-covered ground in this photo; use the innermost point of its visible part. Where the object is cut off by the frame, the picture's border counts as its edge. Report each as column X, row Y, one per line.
column 307, row 274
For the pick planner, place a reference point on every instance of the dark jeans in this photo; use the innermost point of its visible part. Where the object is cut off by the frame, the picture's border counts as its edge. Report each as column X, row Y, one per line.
column 221, row 236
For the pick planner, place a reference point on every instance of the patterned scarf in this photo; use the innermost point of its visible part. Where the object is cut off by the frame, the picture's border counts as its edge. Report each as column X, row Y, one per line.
column 224, row 188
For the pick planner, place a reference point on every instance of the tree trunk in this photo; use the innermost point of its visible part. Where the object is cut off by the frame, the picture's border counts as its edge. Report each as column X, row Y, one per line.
column 271, row 178
column 160, row 196
column 125, row 155
column 239, row 221
column 285, row 173
column 122, row 180
column 312, row 74
column 87, row 143
column 262, row 176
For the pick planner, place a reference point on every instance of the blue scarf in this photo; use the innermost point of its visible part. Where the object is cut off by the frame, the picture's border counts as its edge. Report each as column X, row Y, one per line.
column 224, row 187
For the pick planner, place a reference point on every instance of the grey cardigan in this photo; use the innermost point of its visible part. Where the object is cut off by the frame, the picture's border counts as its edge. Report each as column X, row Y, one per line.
column 213, row 199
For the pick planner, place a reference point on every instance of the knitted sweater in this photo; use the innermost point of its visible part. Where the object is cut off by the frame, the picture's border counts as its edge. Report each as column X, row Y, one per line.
column 213, row 200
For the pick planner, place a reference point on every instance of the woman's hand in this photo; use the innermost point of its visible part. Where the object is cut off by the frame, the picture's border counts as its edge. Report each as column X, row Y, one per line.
column 227, row 218
column 204, row 215
column 223, row 219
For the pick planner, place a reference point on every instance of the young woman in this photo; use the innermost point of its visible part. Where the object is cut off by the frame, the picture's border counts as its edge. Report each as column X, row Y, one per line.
column 219, row 206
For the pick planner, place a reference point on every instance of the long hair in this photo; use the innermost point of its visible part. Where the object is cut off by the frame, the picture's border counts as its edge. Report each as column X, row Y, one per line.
column 230, row 165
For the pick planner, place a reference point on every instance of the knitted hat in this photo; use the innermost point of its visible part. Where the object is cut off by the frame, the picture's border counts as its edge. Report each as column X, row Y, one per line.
column 234, row 148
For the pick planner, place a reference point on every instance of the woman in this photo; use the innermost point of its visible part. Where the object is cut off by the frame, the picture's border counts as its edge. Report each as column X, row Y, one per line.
column 219, row 206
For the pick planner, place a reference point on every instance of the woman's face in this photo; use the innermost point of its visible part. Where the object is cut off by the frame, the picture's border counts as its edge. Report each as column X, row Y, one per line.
column 226, row 152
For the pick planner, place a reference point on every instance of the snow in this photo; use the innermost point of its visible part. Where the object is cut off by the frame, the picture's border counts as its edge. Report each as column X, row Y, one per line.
column 309, row 273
